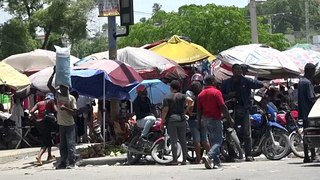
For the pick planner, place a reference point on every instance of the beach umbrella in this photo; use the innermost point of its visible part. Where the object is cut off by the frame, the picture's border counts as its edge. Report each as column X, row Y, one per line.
column 181, row 51
column 301, row 57
column 262, row 61
column 147, row 63
column 157, row 90
column 9, row 77
column 34, row 61
column 104, row 79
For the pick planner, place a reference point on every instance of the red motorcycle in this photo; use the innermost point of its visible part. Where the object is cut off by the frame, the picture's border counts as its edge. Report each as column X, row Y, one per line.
column 158, row 144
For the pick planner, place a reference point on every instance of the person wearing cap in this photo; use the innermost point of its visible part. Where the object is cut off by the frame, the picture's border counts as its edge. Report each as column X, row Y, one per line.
column 142, row 109
column 306, row 99
column 66, row 110
column 239, row 87
column 44, row 124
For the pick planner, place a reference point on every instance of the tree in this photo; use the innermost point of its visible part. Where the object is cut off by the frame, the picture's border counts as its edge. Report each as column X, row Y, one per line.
column 90, row 46
column 156, row 8
column 288, row 15
column 57, row 19
column 17, row 41
column 217, row 28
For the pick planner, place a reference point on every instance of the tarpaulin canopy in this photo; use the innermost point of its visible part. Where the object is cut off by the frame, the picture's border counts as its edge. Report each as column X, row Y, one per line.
column 34, row 61
column 301, row 57
column 263, row 61
column 12, row 78
column 181, row 51
column 149, row 64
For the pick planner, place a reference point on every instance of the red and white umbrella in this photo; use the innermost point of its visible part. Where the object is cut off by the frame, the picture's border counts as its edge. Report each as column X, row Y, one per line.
column 147, row 63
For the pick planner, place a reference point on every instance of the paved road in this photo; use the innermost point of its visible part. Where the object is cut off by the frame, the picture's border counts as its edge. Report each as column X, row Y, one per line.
column 288, row 168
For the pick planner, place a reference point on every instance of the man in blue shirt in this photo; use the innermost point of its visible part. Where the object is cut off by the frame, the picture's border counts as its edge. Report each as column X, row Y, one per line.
column 239, row 87
column 306, row 99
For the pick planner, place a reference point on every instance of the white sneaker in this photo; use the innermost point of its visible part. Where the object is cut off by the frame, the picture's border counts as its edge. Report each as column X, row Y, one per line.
column 217, row 166
column 208, row 163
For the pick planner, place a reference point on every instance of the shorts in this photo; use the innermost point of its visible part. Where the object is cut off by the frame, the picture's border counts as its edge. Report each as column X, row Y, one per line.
column 198, row 136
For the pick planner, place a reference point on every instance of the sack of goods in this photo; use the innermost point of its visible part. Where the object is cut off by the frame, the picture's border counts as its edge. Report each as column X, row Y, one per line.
column 63, row 66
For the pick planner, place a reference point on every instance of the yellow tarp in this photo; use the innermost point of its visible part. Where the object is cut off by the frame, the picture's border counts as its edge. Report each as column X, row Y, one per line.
column 12, row 78
column 181, row 51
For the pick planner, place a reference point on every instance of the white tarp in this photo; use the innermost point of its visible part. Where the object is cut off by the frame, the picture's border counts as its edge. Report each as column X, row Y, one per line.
column 262, row 60
column 301, row 57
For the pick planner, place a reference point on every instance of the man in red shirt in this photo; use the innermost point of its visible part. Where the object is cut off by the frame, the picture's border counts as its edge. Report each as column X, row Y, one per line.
column 210, row 106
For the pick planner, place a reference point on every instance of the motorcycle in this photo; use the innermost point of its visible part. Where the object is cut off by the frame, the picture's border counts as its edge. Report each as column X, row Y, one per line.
column 268, row 136
column 289, row 119
column 157, row 145
column 230, row 141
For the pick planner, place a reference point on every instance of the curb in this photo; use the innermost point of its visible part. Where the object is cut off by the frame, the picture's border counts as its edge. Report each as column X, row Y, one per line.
column 14, row 156
column 103, row 161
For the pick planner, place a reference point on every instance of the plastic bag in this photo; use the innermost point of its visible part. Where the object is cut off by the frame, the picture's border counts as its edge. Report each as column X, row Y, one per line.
column 63, row 66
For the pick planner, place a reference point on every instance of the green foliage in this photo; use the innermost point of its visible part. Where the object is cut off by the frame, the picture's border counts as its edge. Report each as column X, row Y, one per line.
column 17, row 40
column 290, row 14
column 216, row 28
column 60, row 20
column 87, row 47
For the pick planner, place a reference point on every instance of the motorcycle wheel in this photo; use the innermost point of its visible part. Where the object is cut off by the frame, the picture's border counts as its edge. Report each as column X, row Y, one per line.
column 161, row 155
column 279, row 151
column 191, row 154
column 133, row 158
column 296, row 144
column 233, row 142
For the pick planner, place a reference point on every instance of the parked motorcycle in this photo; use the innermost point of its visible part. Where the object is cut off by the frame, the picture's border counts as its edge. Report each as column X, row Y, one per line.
column 289, row 119
column 268, row 136
column 230, row 141
column 158, row 145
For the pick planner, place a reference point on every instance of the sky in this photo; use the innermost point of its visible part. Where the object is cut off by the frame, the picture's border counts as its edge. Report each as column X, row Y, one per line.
column 143, row 8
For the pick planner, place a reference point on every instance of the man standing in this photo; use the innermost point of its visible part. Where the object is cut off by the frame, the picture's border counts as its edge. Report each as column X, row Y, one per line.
column 66, row 109
column 239, row 87
column 306, row 99
column 210, row 106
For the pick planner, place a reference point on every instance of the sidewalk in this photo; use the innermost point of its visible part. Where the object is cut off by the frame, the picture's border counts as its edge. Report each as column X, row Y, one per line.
column 7, row 156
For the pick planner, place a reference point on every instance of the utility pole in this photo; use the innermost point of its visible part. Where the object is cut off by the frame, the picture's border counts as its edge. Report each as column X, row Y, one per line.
column 114, row 106
column 253, row 17
column 112, row 37
column 306, row 4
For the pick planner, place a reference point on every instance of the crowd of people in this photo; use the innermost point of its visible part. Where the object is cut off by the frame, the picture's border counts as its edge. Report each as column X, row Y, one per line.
column 202, row 107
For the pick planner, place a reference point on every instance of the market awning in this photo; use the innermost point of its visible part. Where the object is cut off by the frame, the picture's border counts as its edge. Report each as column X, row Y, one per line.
column 182, row 51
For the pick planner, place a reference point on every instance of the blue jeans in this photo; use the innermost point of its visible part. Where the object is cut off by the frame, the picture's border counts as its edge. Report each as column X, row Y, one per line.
column 67, row 144
column 197, row 136
column 214, row 128
column 146, row 123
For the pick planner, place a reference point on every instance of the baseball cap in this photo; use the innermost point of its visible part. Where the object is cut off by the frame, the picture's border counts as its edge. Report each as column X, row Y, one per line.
column 140, row 88
column 49, row 96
